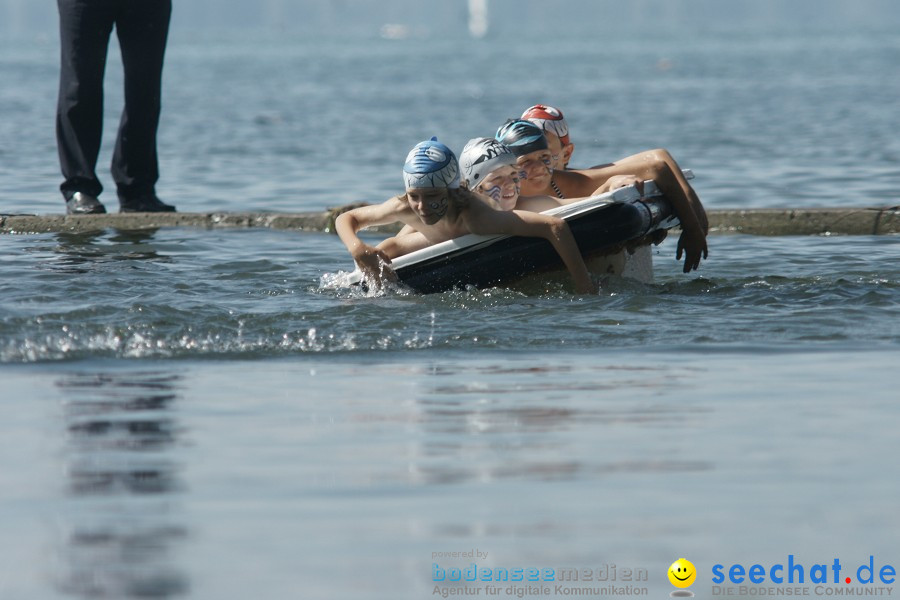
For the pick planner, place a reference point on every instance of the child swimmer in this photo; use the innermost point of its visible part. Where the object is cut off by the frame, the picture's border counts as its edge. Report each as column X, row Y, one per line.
column 439, row 210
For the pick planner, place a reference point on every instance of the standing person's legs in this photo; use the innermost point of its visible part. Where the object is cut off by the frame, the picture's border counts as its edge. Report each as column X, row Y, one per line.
column 142, row 27
column 85, row 27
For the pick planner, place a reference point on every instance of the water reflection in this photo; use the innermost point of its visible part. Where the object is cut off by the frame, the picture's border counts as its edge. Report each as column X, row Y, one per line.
column 79, row 252
column 549, row 423
column 123, row 479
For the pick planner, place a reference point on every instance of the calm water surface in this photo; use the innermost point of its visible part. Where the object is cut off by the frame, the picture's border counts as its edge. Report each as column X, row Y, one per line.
column 167, row 478
column 200, row 423
column 190, row 413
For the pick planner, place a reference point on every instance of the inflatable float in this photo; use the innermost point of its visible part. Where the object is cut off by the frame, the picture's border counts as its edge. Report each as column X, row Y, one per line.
column 601, row 225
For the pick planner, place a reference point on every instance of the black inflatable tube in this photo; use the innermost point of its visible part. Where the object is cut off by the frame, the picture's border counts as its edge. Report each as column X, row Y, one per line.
column 510, row 258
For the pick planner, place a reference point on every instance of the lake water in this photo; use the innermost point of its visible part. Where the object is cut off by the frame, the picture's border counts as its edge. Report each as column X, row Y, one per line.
column 189, row 413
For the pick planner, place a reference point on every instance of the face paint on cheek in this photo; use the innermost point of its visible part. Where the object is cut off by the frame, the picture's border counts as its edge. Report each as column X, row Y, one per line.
column 439, row 207
column 495, row 192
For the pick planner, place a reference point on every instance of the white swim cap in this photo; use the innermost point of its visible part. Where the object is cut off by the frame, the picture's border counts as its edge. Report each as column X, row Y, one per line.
column 480, row 157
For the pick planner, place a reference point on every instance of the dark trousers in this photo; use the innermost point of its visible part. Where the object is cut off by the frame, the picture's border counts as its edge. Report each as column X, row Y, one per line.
column 142, row 27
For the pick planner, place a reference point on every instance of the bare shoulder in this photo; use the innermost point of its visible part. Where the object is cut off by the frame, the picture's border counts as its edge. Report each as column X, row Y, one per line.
column 536, row 203
column 391, row 210
column 574, row 183
column 467, row 201
column 397, row 203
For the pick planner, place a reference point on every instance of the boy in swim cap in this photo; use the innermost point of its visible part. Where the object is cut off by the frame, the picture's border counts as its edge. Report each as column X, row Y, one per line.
column 489, row 168
column 528, row 142
column 439, row 210
column 556, row 130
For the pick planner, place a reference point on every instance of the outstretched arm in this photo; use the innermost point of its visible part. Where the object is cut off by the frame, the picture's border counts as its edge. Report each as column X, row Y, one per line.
column 485, row 221
column 619, row 181
column 371, row 261
column 659, row 166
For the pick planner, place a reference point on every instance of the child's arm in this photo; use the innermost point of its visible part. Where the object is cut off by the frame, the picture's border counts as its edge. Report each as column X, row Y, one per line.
column 400, row 244
column 619, row 181
column 371, row 261
column 483, row 220
column 659, row 166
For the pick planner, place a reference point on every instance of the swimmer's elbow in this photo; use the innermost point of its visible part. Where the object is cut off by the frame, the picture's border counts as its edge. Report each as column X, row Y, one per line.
column 346, row 222
column 657, row 159
column 659, row 154
column 558, row 227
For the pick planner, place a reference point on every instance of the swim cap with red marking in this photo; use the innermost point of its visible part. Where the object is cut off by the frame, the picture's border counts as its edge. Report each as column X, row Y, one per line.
column 550, row 119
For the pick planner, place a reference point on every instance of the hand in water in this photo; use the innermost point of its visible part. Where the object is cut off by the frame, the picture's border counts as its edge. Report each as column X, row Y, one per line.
column 375, row 264
column 693, row 246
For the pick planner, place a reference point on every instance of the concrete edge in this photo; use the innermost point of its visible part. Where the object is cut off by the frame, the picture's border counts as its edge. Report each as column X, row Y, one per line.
column 807, row 221
column 765, row 222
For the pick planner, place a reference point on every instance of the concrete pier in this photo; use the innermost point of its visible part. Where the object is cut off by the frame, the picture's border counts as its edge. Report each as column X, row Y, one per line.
column 763, row 221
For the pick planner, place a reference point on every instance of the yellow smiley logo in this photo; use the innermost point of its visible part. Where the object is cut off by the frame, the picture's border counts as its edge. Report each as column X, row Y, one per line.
column 682, row 573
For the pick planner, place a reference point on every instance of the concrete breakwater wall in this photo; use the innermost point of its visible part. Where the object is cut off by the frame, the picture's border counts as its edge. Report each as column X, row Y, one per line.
column 762, row 221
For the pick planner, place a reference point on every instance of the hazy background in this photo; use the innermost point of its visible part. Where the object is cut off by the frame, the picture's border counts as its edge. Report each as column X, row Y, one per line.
column 512, row 18
column 771, row 102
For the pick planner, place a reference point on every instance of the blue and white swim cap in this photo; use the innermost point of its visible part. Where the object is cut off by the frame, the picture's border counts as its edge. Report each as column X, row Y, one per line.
column 521, row 136
column 431, row 164
column 482, row 156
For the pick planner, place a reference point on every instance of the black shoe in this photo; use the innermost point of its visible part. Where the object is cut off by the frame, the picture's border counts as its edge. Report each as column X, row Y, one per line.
column 82, row 204
column 147, row 203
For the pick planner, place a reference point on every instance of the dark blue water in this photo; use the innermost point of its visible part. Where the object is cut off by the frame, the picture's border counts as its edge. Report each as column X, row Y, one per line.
column 190, row 413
